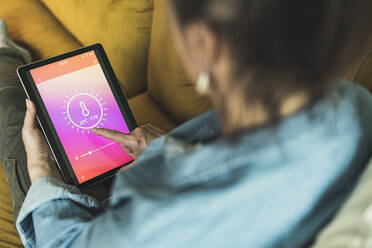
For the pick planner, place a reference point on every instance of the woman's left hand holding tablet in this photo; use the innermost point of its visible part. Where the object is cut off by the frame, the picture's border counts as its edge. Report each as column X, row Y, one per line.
column 40, row 161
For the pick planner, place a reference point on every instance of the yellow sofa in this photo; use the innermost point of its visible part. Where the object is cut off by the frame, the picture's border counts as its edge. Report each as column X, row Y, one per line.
column 136, row 37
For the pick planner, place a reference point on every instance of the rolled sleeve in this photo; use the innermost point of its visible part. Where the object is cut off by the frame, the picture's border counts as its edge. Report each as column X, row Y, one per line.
column 51, row 193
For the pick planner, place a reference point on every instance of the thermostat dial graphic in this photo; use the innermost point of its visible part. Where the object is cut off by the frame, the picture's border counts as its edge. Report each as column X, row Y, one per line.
column 84, row 110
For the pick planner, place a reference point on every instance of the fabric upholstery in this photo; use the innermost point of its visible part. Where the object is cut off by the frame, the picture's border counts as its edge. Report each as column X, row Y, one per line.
column 167, row 81
column 146, row 110
column 122, row 27
column 33, row 26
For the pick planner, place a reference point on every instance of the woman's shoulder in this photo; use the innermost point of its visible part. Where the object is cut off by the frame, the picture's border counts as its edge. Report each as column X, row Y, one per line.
column 351, row 103
column 360, row 100
column 355, row 109
column 355, row 93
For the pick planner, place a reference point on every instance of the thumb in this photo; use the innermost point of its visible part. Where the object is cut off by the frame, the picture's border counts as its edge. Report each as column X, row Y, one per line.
column 30, row 118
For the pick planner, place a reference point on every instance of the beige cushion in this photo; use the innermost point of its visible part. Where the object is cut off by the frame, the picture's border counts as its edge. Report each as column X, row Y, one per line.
column 352, row 226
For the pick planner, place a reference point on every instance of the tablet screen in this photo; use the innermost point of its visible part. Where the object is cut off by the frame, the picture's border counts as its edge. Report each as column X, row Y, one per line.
column 78, row 98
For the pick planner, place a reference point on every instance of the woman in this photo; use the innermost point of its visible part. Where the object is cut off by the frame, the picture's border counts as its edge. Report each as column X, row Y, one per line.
column 267, row 168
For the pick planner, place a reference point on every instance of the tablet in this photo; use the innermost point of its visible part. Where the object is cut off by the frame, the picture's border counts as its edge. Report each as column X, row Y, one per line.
column 73, row 93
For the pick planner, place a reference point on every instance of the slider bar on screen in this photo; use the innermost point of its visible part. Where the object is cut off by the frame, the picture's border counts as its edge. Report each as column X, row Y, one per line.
column 96, row 150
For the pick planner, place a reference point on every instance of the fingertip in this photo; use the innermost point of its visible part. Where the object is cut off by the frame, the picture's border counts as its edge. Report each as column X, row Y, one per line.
column 96, row 130
column 99, row 132
column 30, row 105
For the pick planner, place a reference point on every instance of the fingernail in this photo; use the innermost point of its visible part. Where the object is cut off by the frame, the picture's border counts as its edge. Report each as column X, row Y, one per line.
column 28, row 104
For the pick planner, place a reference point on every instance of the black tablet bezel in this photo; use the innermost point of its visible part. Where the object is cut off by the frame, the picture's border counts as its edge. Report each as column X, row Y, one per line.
column 46, row 124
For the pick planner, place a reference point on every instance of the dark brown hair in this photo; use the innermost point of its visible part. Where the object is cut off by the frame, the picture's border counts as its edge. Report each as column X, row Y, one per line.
column 288, row 44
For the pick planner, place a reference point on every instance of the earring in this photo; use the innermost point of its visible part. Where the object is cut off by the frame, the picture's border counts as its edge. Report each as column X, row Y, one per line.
column 202, row 85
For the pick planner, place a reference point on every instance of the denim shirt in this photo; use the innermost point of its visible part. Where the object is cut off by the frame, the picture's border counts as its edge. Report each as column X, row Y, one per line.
column 272, row 187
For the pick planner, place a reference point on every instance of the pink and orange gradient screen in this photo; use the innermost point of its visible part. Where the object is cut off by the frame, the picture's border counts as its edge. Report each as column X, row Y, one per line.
column 78, row 98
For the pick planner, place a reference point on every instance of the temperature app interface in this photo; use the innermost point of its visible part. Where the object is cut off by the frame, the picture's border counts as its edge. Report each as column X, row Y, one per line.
column 78, row 98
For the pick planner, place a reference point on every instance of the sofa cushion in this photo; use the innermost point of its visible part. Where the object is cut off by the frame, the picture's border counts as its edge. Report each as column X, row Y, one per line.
column 146, row 111
column 122, row 27
column 167, row 81
column 33, row 26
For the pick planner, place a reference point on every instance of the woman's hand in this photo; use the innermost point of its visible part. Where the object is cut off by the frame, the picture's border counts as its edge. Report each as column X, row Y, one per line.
column 40, row 162
column 134, row 143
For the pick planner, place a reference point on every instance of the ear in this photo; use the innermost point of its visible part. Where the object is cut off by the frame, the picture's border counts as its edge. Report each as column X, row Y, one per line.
column 202, row 45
